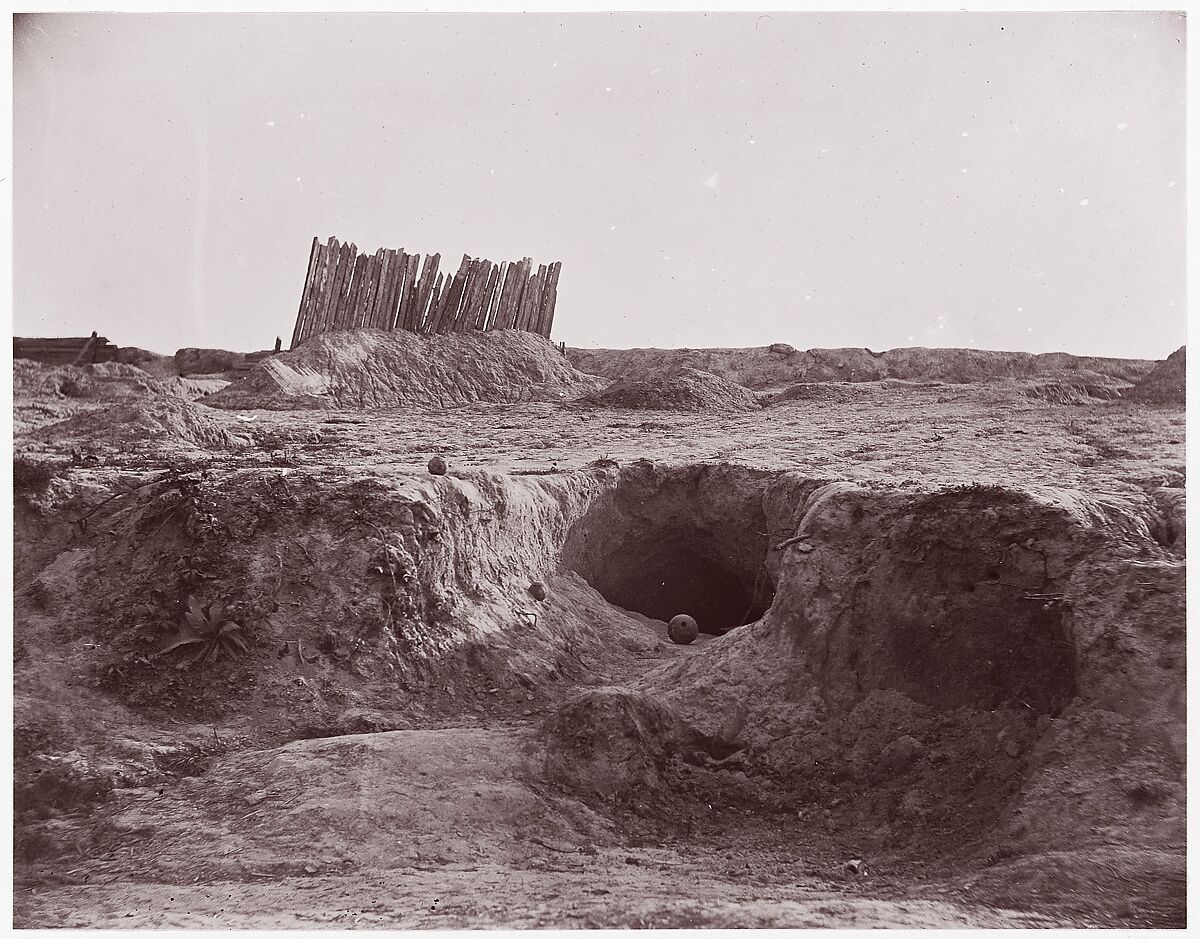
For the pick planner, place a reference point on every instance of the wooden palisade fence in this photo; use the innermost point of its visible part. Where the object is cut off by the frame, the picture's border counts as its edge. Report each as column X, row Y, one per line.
column 392, row 290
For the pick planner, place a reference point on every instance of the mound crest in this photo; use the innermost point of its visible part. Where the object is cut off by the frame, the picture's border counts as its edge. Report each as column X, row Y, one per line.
column 679, row 389
column 1083, row 390
column 103, row 381
column 1167, row 384
column 155, row 419
column 368, row 368
column 777, row 366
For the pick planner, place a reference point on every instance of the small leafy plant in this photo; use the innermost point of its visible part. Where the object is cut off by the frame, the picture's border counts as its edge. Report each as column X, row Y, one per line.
column 204, row 636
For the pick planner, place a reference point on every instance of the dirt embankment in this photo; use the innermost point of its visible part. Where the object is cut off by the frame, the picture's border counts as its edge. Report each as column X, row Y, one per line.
column 957, row 672
column 376, row 368
column 165, row 417
column 674, row 389
column 986, row 675
column 100, row 400
column 772, row 367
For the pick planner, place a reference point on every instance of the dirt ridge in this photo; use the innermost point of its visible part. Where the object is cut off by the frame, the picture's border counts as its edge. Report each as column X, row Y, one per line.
column 771, row 367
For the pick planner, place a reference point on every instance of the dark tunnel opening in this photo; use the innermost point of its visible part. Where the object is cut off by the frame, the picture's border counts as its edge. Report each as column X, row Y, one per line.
column 665, row 576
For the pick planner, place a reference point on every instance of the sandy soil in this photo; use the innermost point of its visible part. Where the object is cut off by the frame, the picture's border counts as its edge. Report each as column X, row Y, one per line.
column 334, row 797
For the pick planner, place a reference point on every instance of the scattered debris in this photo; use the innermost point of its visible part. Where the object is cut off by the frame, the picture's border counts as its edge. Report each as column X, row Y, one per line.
column 855, row 867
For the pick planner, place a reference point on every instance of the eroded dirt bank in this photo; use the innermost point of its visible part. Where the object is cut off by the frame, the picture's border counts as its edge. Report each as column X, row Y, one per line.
column 975, row 689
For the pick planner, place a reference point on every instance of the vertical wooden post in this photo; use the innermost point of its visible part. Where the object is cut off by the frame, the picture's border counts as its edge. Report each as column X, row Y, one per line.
column 347, row 285
column 435, row 299
column 529, row 298
column 331, row 290
column 401, row 292
column 453, row 295
column 306, row 293
column 497, row 294
column 411, row 291
column 427, row 279
column 335, row 289
column 351, row 252
column 357, row 277
column 408, row 303
column 489, row 298
column 514, row 299
column 392, row 301
column 312, row 309
column 535, row 301
column 387, row 313
column 316, row 322
column 549, row 297
column 506, row 292
column 395, row 289
column 483, row 282
column 367, row 302
column 468, row 288
column 385, row 273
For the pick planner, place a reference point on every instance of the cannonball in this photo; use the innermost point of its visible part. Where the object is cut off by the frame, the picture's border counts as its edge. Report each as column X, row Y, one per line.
column 437, row 466
column 537, row 590
column 682, row 629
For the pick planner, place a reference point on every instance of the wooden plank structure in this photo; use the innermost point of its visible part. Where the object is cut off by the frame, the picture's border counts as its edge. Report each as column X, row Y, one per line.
column 395, row 290
column 82, row 350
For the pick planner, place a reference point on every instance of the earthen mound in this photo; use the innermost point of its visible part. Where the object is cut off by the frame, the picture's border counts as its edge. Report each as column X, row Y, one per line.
column 370, row 368
column 106, row 381
column 609, row 742
column 1083, row 390
column 164, row 418
column 682, row 389
column 1167, row 384
column 816, row 391
column 160, row 366
column 773, row 367
column 209, row 361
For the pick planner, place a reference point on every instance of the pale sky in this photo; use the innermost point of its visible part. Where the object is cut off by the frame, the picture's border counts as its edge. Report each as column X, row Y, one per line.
column 1001, row 181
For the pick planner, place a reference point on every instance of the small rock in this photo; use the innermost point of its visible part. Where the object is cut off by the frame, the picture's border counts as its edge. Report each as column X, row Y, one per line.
column 902, row 753
column 437, row 466
column 537, row 590
column 855, row 867
column 911, row 805
column 256, row 797
column 527, row 712
column 1011, row 748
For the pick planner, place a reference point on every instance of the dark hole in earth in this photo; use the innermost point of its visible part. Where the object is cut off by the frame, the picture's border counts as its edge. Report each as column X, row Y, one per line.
column 666, row 574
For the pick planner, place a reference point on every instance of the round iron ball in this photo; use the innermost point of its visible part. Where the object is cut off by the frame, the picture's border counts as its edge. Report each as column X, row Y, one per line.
column 437, row 466
column 682, row 629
